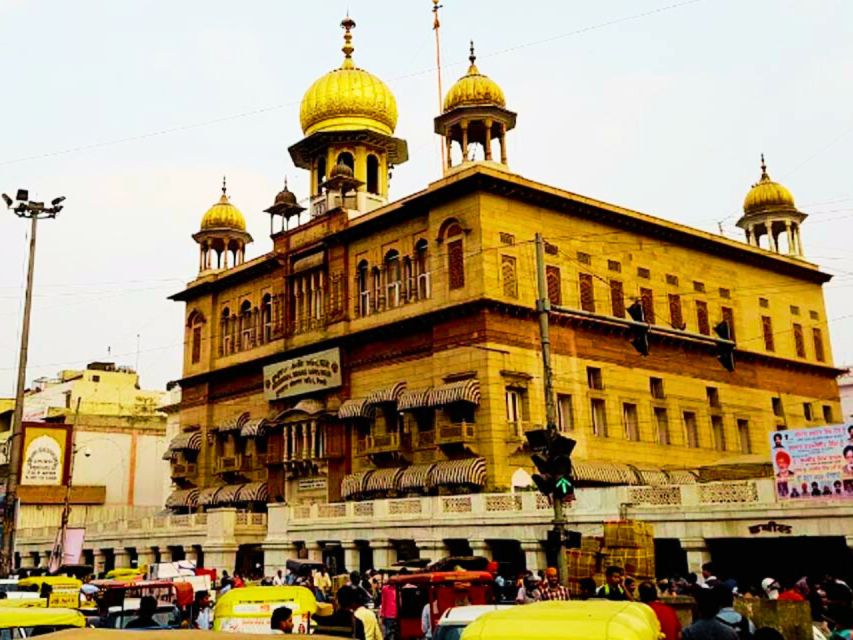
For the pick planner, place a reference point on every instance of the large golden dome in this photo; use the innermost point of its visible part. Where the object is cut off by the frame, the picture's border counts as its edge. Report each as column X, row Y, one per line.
column 474, row 89
column 767, row 195
column 348, row 98
column 223, row 215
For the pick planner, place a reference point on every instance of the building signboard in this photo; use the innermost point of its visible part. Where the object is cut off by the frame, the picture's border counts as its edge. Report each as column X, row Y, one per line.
column 311, row 484
column 813, row 463
column 46, row 454
column 313, row 372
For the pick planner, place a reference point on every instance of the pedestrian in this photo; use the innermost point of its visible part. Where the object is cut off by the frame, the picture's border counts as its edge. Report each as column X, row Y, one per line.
column 728, row 616
column 709, row 575
column 426, row 622
column 798, row 592
column 670, row 625
column 388, row 609
column 553, row 590
column 322, row 581
column 201, row 618
column 528, row 591
column 612, row 589
column 281, row 620
column 771, row 588
column 238, row 581
column 278, row 578
column 365, row 624
column 707, row 627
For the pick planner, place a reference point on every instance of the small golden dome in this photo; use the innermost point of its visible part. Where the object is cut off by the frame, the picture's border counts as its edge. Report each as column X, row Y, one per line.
column 285, row 196
column 348, row 98
column 767, row 195
column 474, row 89
column 341, row 170
column 223, row 215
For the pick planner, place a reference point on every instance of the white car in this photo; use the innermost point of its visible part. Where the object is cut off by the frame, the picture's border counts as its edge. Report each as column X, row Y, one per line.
column 453, row 621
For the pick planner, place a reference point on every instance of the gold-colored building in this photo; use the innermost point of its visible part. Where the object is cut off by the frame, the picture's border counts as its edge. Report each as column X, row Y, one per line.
column 392, row 347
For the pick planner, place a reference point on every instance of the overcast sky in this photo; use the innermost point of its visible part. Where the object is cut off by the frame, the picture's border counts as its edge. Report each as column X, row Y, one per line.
column 135, row 110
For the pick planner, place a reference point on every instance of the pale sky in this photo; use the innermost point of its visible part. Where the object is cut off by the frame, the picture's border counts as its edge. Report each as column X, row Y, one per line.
column 665, row 113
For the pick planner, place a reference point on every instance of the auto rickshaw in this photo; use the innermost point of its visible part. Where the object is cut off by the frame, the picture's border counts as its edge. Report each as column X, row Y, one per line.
column 580, row 620
column 64, row 590
column 126, row 573
column 249, row 609
column 18, row 622
column 442, row 590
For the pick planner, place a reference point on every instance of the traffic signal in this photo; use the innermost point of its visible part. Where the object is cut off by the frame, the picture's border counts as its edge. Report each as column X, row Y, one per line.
column 553, row 462
column 639, row 335
column 725, row 350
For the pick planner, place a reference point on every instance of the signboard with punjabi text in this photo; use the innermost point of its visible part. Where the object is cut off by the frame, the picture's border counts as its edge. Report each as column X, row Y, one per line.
column 297, row 376
column 813, row 463
column 46, row 454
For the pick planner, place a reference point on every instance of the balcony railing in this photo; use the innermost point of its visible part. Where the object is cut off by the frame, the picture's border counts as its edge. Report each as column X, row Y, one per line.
column 383, row 443
column 454, row 433
column 225, row 465
column 183, row 470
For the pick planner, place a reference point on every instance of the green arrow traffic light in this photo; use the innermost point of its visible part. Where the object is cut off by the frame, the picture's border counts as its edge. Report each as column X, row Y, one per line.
column 563, row 486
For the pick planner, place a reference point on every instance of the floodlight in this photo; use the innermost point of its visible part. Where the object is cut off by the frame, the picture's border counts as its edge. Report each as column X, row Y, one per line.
column 56, row 201
column 23, row 195
column 7, row 200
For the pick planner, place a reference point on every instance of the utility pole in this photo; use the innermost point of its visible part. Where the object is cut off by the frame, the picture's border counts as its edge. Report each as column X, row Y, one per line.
column 543, row 306
column 25, row 208
column 58, row 552
column 436, row 26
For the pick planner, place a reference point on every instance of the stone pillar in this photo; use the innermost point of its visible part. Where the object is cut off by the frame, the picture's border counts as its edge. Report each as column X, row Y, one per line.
column 122, row 558
column 790, row 235
column 26, row 560
column 384, row 554
column 352, row 556
column 432, row 549
column 144, row 556
column 774, row 245
column 276, row 554
column 487, row 144
column 165, row 554
column 481, row 548
column 448, row 141
column 191, row 554
column 464, row 126
column 46, row 556
column 534, row 555
column 100, row 562
column 503, row 144
column 798, row 240
column 697, row 554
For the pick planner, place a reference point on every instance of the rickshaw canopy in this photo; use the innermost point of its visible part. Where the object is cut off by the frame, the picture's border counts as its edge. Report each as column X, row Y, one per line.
column 575, row 620
column 16, row 617
column 59, row 583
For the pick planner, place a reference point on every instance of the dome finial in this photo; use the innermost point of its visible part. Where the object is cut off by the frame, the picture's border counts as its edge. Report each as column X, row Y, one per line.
column 224, row 186
column 348, row 24
column 472, row 57
column 763, row 167
column 285, row 183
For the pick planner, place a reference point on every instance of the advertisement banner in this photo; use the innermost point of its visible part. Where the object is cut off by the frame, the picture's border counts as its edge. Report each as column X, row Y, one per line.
column 46, row 454
column 312, row 372
column 814, row 463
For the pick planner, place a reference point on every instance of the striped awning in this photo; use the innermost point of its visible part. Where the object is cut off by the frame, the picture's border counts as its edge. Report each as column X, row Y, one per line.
column 415, row 477
column 207, row 496
column 388, row 394
column 228, row 494
column 306, row 406
column 383, row 480
column 652, row 477
column 353, row 483
column 603, row 473
column 355, row 408
column 468, row 471
column 253, row 492
column 410, row 400
column 182, row 498
column 681, row 476
column 254, row 428
column 460, row 391
column 185, row 441
column 233, row 424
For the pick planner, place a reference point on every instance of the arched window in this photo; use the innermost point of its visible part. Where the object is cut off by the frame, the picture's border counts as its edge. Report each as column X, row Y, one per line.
column 393, row 277
column 245, row 325
column 372, row 174
column 422, row 269
column 225, row 321
column 194, row 325
column 363, row 286
column 266, row 318
column 345, row 157
column 377, row 289
column 455, row 255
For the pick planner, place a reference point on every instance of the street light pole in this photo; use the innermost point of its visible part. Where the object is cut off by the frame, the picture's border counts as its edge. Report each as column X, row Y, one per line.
column 34, row 211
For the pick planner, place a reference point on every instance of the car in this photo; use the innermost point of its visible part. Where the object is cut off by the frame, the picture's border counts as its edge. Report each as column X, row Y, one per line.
column 453, row 621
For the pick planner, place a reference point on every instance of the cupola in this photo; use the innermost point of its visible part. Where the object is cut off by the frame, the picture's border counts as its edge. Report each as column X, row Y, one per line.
column 222, row 238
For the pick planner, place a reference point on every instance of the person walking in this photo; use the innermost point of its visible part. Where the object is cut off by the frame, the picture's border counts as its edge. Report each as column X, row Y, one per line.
column 553, row 590
column 670, row 625
column 612, row 589
column 201, row 617
column 728, row 616
column 707, row 627
column 365, row 624
column 388, row 609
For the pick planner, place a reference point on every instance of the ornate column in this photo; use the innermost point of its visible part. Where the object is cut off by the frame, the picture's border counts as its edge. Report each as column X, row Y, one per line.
column 774, row 246
column 352, row 556
column 100, row 561
column 312, row 426
column 448, row 141
column 384, row 554
column 798, row 240
column 748, row 236
column 289, row 442
column 488, row 142
column 306, row 452
column 464, row 126
column 122, row 557
column 790, row 236
column 480, row 548
column 503, row 143
column 697, row 553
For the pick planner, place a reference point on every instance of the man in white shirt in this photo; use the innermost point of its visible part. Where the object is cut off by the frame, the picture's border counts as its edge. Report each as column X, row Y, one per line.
column 278, row 579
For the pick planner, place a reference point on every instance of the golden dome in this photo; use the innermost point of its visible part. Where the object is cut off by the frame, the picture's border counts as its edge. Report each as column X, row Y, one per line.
column 223, row 215
column 767, row 195
column 348, row 98
column 474, row 89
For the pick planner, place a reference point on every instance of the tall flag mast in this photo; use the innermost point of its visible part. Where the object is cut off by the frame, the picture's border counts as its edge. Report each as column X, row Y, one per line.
column 436, row 26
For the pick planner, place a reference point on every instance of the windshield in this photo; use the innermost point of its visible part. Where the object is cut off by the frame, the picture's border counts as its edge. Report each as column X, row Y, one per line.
column 448, row 632
column 163, row 618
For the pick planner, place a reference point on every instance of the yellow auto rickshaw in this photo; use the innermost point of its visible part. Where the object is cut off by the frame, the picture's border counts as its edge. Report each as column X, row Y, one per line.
column 24, row 603
column 126, row 573
column 17, row 622
column 575, row 620
column 249, row 609
column 64, row 590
